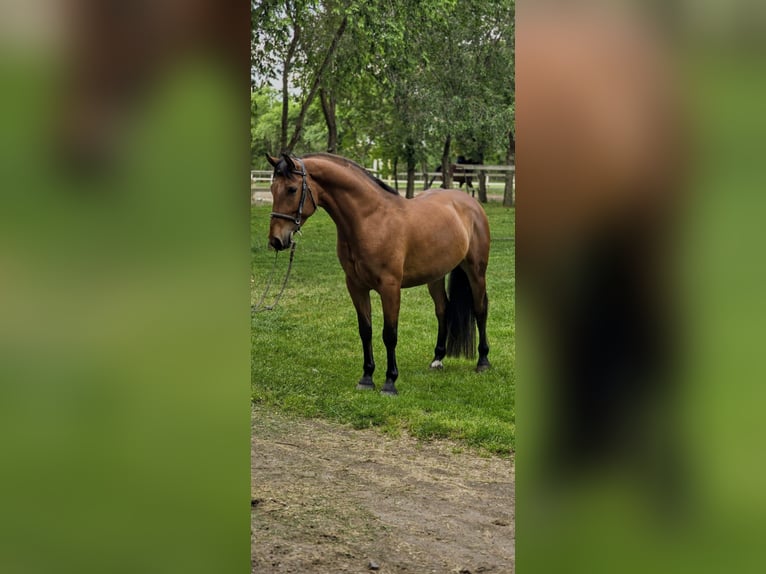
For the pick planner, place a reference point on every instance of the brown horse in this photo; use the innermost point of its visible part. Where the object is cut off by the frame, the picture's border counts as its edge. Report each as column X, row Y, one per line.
column 385, row 243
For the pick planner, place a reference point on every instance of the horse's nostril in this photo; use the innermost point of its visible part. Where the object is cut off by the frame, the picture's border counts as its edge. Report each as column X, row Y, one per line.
column 276, row 243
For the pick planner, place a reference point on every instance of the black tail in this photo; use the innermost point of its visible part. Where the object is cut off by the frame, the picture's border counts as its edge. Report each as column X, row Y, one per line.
column 461, row 320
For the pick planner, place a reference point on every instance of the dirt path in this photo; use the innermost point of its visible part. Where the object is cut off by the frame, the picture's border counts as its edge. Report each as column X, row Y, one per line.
column 328, row 499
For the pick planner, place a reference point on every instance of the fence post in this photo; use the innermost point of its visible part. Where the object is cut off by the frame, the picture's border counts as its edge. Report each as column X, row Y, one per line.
column 482, row 186
column 509, row 194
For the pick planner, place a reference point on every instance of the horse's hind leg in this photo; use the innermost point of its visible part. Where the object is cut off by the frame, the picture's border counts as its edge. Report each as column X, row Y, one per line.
column 439, row 294
column 481, row 322
column 476, row 271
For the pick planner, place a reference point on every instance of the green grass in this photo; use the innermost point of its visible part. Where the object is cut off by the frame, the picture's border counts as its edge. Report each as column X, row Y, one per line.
column 307, row 357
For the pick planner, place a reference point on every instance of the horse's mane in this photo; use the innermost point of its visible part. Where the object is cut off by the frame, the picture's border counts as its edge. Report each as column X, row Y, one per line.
column 343, row 162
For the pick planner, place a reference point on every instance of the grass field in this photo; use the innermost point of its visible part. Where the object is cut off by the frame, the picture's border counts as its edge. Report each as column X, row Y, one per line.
column 307, row 357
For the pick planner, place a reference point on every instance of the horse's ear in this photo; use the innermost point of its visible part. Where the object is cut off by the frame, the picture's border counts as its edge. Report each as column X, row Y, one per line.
column 272, row 160
column 289, row 160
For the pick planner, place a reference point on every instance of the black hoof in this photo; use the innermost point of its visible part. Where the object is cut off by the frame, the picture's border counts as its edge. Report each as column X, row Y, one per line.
column 389, row 389
column 483, row 365
column 365, row 384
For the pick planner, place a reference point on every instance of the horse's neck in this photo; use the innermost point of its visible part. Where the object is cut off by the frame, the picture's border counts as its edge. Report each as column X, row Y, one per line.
column 353, row 205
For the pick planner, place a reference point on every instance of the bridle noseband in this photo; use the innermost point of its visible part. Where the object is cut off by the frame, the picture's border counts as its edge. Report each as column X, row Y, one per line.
column 305, row 190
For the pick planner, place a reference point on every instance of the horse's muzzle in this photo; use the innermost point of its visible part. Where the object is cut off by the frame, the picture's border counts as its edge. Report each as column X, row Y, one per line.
column 278, row 244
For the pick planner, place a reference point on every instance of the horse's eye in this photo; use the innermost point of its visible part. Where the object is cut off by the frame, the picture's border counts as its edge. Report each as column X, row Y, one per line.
column 291, row 190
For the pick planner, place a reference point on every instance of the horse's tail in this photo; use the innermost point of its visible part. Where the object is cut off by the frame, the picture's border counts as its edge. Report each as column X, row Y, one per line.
column 461, row 320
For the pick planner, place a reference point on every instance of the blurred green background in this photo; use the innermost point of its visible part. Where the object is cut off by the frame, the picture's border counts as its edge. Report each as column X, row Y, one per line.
column 617, row 520
column 125, row 340
column 124, row 356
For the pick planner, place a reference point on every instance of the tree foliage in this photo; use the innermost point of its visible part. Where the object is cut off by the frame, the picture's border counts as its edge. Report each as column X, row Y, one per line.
column 392, row 80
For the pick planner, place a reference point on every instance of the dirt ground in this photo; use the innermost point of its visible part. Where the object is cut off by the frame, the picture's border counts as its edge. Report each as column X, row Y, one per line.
column 328, row 499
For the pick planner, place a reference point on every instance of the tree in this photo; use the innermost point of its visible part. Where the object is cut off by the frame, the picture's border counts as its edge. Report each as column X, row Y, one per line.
column 276, row 33
column 403, row 81
column 265, row 125
column 509, row 193
column 488, row 112
column 305, row 57
column 316, row 81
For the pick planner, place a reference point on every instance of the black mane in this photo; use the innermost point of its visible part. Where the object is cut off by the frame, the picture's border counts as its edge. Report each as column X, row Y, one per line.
column 343, row 161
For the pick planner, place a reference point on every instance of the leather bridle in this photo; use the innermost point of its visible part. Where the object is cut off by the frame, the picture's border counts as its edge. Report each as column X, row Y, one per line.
column 305, row 190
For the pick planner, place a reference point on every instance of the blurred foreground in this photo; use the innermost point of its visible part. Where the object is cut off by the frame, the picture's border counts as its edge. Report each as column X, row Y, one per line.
column 639, row 249
column 123, row 293
column 124, row 340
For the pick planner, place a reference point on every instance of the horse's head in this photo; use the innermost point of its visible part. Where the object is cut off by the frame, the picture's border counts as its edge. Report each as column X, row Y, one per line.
column 294, row 200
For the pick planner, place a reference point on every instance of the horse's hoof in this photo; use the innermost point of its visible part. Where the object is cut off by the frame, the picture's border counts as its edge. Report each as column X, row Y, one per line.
column 389, row 389
column 365, row 384
column 483, row 365
column 437, row 364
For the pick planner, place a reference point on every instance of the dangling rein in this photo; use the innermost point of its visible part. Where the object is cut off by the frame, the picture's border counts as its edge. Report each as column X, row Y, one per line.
column 298, row 220
column 259, row 307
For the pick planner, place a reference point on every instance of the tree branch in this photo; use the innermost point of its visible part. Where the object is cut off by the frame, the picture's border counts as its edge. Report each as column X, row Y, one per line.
column 315, row 86
column 285, row 82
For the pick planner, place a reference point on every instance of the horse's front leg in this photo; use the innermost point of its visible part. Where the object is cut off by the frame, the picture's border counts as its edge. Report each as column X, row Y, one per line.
column 361, row 298
column 390, row 296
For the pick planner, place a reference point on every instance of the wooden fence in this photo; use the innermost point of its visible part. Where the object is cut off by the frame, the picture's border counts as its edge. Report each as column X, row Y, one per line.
column 495, row 175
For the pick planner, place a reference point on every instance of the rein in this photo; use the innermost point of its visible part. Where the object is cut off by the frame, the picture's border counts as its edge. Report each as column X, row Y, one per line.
column 260, row 307
column 297, row 219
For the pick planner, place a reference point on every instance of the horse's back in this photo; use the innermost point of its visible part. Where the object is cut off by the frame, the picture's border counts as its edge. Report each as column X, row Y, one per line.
column 452, row 224
column 454, row 198
column 446, row 201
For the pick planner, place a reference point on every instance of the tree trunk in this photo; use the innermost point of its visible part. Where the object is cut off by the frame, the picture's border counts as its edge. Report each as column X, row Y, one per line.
column 482, row 180
column 509, row 194
column 409, row 154
column 410, row 180
column 483, row 186
column 315, row 85
column 424, row 169
column 328, row 109
column 446, row 171
column 396, row 174
column 285, row 84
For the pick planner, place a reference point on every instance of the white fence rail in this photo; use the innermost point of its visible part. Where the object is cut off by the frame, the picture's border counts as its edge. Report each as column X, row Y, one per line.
column 261, row 179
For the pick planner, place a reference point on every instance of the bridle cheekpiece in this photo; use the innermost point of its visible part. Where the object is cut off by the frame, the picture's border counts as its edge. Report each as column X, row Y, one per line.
column 305, row 190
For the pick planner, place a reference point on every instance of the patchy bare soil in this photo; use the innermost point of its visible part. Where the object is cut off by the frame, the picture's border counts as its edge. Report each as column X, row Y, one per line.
column 328, row 499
